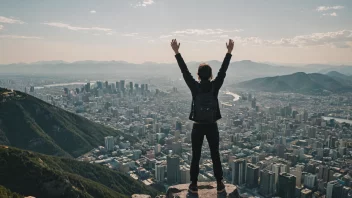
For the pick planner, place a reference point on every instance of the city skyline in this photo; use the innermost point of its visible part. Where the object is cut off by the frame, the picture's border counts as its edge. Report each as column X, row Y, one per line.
column 140, row 31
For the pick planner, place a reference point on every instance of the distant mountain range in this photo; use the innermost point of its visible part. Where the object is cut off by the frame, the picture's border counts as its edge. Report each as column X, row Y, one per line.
column 301, row 82
column 239, row 70
column 32, row 174
column 32, row 124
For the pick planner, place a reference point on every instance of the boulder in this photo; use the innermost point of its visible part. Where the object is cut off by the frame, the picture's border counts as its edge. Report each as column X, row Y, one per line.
column 141, row 196
column 205, row 190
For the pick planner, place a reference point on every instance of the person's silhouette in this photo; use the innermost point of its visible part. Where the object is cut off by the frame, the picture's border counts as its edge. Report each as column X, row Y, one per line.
column 205, row 112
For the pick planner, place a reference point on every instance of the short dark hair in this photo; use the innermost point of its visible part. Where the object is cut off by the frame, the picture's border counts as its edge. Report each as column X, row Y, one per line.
column 204, row 72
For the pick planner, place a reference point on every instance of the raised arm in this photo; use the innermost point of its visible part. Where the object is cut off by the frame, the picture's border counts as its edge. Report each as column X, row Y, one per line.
column 219, row 80
column 187, row 76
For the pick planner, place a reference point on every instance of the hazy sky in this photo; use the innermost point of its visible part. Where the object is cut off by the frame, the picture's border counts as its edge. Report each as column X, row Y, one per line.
column 280, row 31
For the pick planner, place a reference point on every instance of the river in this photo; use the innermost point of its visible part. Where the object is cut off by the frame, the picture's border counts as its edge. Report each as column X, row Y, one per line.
column 235, row 96
column 63, row 84
column 340, row 120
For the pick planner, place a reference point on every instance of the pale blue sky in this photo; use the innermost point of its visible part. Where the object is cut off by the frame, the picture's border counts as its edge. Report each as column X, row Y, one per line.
column 282, row 31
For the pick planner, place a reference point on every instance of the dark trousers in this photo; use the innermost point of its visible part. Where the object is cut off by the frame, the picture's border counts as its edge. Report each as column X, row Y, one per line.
column 211, row 132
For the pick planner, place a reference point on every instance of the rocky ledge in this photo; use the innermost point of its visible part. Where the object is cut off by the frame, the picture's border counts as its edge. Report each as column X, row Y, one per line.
column 205, row 190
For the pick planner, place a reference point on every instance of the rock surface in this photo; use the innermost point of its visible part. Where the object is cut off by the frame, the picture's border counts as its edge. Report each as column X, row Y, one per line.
column 141, row 196
column 205, row 190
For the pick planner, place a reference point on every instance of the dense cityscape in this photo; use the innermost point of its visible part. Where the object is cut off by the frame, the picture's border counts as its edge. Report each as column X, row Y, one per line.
column 271, row 144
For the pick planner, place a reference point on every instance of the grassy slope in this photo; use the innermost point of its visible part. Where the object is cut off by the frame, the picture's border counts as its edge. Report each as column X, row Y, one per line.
column 39, row 175
column 32, row 124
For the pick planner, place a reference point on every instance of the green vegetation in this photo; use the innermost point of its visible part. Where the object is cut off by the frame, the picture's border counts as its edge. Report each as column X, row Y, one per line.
column 4, row 192
column 298, row 82
column 32, row 124
column 38, row 175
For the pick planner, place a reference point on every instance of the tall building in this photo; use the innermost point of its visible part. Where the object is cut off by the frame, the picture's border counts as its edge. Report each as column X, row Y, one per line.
column 122, row 85
column 323, row 173
column 178, row 125
column 286, row 185
column 277, row 169
column 109, row 143
column 334, row 189
column 177, row 148
column 252, row 176
column 157, row 149
column 254, row 103
column 99, row 85
column 160, row 172
column 117, row 85
column 173, row 169
column 267, row 180
column 309, row 180
column 239, row 172
column 305, row 115
column 87, row 87
column 131, row 87
column 280, row 150
column 345, row 192
column 185, row 175
column 329, row 188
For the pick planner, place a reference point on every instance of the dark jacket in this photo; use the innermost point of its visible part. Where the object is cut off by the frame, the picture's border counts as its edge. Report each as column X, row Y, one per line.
column 204, row 86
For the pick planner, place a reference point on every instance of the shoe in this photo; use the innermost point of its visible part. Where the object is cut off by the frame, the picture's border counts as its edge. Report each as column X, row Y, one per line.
column 220, row 187
column 193, row 188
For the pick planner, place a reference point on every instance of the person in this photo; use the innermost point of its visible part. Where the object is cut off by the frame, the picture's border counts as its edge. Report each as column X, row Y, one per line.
column 208, row 126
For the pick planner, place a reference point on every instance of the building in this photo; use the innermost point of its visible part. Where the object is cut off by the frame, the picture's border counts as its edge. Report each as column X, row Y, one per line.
column 109, row 143
column 309, row 180
column 131, row 87
column 334, row 189
column 267, row 180
column 185, row 175
column 122, row 85
column 239, row 172
column 345, row 192
column 277, row 169
column 173, row 169
column 160, row 172
column 306, row 193
column 252, row 176
column 177, row 148
column 286, row 185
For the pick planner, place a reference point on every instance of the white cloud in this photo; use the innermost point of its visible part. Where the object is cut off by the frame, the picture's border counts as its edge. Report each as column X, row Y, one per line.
column 1, row 27
column 130, row 34
column 9, row 20
column 166, row 36
column 19, row 37
column 93, row 11
column 143, row 3
column 336, row 39
column 204, row 31
column 339, row 39
column 334, row 14
column 326, row 8
column 208, row 41
column 151, row 41
column 76, row 28
column 224, row 36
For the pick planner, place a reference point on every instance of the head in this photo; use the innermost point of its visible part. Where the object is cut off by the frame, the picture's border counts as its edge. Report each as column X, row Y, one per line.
column 204, row 72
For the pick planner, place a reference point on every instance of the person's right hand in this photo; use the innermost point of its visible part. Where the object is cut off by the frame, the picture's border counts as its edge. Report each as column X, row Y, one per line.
column 175, row 46
column 229, row 46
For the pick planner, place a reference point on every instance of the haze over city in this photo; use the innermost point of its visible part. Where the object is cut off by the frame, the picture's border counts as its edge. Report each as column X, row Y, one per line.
column 137, row 31
column 176, row 98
